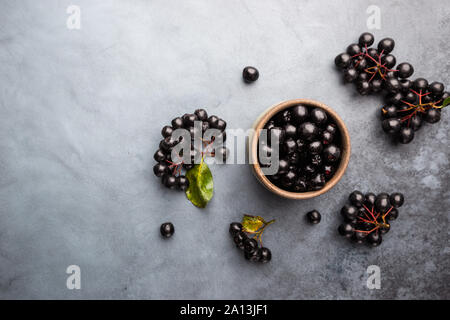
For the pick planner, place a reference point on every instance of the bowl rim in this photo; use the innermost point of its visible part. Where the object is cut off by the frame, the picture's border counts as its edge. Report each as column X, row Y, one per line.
column 266, row 116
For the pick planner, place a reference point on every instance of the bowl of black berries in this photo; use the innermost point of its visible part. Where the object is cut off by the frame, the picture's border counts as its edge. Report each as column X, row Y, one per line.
column 309, row 143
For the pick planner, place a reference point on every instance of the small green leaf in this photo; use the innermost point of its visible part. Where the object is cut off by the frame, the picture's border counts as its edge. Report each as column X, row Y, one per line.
column 446, row 102
column 201, row 185
column 252, row 223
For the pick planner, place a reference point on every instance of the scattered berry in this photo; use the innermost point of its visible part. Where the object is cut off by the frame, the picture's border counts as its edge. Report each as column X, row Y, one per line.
column 167, row 229
column 250, row 74
column 314, row 216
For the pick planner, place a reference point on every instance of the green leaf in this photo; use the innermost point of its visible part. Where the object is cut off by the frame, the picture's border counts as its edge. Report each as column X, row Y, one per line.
column 201, row 185
column 446, row 102
column 252, row 223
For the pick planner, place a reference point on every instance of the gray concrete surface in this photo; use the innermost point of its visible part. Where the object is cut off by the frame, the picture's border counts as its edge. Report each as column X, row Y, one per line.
column 80, row 116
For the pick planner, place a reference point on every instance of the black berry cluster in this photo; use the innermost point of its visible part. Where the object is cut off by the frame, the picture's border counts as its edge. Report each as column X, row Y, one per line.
column 367, row 217
column 407, row 102
column 406, row 109
column 250, row 246
column 309, row 148
column 170, row 170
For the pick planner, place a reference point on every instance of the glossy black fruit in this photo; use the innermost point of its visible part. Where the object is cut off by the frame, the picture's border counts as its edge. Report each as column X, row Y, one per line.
column 405, row 70
column 235, row 227
column 363, row 87
column 389, row 111
column 406, row 135
column 289, row 146
column 159, row 169
column 382, row 203
column 189, row 119
column 212, row 121
column 433, row 115
column 250, row 245
column 318, row 181
column 290, row 130
column 332, row 153
column 356, row 198
column 349, row 212
column 374, row 239
column 308, row 131
column 239, row 239
column 299, row 114
column 169, row 181
column 343, row 60
column 386, row 45
column 314, row 216
column 201, row 114
column 315, row 147
column 346, row 230
column 166, row 131
column 353, row 49
column 265, row 255
column 359, row 237
column 177, row 123
column 436, row 88
column 318, row 116
column 396, row 199
column 388, row 61
column 250, row 74
column 167, row 229
column 159, row 156
column 283, row 166
column 420, row 85
column 182, row 183
column 288, row 179
column 416, row 122
column 391, row 125
column 350, row 74
column 392, row 85
column 366, row 39
column 369, row 200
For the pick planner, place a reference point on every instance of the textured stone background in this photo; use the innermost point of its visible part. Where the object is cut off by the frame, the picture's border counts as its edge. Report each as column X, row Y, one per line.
column 80, row 116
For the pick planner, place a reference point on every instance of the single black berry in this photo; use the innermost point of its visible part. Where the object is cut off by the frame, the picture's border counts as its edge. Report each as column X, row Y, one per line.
column 314, row 216
column 386, row 45
column 167, row 229
column 405, row 70
column 250, row 74
column 396, row 199
column 235, row 227
column 265, row 255
column 366, row 39
column 357, row 198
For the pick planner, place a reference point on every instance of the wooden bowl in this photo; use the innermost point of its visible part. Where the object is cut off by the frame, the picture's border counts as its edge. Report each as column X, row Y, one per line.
column 253, row 148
